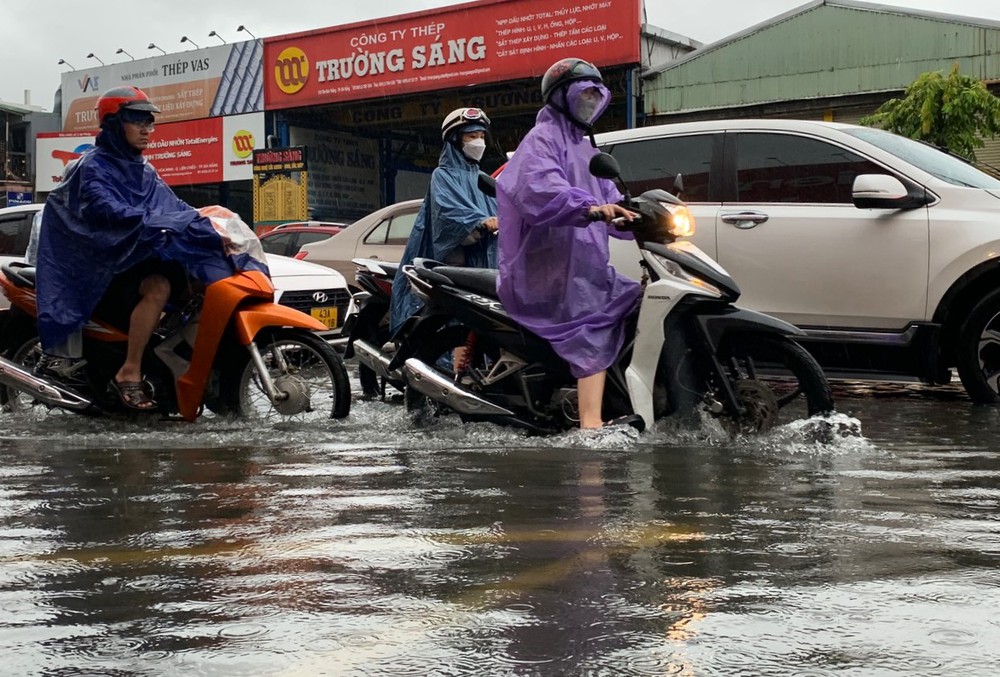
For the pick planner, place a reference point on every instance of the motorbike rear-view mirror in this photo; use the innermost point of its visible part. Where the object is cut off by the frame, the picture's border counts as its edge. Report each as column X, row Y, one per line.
column 487, row 184
column 605, row 166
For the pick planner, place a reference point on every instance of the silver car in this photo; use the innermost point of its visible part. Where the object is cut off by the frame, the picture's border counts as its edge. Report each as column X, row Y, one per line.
column 381, row 235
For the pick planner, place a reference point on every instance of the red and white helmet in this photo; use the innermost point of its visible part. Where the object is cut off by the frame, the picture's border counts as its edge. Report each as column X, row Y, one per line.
column 460, row 117
column 118, row 98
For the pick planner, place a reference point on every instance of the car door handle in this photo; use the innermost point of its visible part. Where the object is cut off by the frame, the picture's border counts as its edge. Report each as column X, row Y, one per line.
column 744, row 220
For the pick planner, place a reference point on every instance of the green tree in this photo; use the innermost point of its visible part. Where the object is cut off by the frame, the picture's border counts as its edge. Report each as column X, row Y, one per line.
column 953, row 112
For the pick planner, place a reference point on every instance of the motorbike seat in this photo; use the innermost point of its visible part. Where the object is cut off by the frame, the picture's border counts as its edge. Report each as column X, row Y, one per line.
column 480, row 280
column 19, row 274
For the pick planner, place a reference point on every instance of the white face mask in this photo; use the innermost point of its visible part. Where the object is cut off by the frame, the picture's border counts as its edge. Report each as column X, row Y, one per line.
column 585, row 110
column 474, row 149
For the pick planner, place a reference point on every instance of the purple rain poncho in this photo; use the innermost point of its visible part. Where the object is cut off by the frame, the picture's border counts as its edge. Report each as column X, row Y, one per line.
column 554, row 277
column 110, row 212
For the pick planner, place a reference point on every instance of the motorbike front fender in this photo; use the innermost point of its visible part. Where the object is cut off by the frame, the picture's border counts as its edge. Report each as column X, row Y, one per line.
column 717, row 323
column 247, row 322
column 366, row 323
column 250, row 320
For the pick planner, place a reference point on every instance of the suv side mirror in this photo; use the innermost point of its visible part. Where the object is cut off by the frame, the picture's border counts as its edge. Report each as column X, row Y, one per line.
column 881, row 191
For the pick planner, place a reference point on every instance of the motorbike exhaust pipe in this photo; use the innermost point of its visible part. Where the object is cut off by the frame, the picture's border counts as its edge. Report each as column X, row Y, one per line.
column 16, row 376
column 429, row 382
column 374, row 359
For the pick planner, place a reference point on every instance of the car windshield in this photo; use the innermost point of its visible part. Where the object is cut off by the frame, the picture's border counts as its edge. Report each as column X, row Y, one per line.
column 941, row 165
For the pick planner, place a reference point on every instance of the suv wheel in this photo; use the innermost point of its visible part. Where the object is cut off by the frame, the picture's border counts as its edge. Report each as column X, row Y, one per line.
column 979, row 351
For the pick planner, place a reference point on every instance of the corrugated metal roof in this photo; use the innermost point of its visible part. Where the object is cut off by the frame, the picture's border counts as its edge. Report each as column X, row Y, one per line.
column 825, row 49
column 18, row 109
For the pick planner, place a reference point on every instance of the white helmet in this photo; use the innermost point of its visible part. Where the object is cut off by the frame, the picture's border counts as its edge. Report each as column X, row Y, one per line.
column 461, row 117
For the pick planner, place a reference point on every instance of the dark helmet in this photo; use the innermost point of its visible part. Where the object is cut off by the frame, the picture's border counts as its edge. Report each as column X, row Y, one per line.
column 564, row 71
column 461, row 117
column 118, row 98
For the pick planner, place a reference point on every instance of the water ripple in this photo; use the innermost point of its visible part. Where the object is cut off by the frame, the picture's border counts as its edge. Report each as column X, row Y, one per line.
column 952, row 637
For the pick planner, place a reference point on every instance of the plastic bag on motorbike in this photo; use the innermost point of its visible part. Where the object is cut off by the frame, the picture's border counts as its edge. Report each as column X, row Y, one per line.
column 237, row 236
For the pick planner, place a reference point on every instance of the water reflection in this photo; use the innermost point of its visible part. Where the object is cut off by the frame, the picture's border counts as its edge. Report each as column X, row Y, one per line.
column 372, row 547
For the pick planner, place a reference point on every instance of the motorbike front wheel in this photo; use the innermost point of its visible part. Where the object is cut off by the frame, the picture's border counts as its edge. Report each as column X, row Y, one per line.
column 776, row 381
column 305, row 369
column 373, row 385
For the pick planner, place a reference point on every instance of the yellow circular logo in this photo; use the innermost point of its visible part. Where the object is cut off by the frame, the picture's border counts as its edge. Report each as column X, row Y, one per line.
column 242, row 144
column 291, row 70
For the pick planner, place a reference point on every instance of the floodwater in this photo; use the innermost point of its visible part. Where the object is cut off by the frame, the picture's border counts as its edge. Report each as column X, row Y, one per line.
column 374, row 547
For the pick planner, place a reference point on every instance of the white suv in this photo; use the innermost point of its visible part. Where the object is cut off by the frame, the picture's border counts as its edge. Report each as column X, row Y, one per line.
column 884, row 250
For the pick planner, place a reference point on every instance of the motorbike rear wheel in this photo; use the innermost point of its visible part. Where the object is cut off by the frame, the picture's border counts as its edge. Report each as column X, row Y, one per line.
column 777, row 381
column 26, row 352
column 304, row 367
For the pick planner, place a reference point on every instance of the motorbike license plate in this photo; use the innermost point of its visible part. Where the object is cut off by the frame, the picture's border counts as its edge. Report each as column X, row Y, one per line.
column 326, row 314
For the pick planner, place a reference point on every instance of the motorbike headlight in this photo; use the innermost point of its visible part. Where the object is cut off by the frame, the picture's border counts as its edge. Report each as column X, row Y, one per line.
column 681, row 220
column 675, row 270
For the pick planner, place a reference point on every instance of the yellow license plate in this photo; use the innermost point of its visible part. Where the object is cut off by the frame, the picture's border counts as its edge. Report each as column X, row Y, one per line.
column 327, row 315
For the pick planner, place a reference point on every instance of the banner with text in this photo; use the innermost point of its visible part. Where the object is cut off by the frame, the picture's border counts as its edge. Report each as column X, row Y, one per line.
column 343, row 173
column 183, row 153
column 473, row 43
column 280, row 186
column 201, row 83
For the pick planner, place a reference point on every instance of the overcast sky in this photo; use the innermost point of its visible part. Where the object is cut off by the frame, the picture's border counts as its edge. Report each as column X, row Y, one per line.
column 35, row 35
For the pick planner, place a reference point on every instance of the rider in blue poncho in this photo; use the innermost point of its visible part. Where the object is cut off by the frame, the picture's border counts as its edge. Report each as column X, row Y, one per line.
column 457, row 221
column 114, row 229
column 555, row 277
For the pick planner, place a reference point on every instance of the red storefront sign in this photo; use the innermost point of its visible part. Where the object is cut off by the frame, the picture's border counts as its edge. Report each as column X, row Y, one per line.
column 196, row 151
column 473, row 43
column 187, row 152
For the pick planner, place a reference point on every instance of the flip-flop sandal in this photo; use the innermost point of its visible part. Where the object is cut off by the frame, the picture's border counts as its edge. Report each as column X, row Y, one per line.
column 132, row 395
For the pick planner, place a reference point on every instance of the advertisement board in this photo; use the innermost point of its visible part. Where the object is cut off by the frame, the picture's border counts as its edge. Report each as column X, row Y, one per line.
column 15, row 198
column 280, row 186
column 343, row 173
column 471, row 43
column 200, row 83
column 184, row 153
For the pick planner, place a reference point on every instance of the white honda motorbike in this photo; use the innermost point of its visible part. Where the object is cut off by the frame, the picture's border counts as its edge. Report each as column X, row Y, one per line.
column 688, row 350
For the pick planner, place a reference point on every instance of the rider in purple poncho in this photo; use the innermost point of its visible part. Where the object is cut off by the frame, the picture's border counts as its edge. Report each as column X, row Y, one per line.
column 555, row 278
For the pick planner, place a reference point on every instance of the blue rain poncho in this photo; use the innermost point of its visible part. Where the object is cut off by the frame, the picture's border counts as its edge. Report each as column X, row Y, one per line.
column 555, row 278
column 452, row 211
column 110, row 212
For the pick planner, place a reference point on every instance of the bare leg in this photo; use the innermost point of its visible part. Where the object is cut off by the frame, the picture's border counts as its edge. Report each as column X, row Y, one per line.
column 155, row 291
column 458, row 357
column 590, row 393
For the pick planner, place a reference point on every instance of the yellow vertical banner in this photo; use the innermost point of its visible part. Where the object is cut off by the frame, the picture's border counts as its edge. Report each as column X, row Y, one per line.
column 280, row 187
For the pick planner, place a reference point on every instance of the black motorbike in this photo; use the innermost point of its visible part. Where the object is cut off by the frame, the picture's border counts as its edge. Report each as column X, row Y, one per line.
column 369, row 338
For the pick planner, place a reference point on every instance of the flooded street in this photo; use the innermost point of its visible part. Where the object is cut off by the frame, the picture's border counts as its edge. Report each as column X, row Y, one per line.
column 370, row 546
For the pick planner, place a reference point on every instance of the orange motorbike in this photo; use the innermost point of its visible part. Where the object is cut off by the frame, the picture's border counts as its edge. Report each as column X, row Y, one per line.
column 231, row 349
